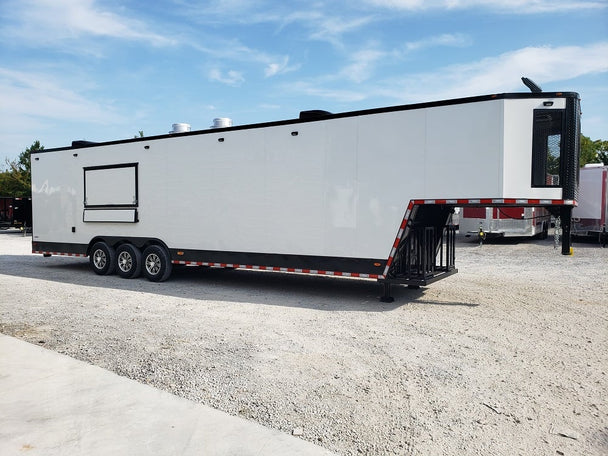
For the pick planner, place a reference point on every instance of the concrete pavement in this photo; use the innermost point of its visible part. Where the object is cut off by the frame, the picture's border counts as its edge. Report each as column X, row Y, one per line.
column 51, row 404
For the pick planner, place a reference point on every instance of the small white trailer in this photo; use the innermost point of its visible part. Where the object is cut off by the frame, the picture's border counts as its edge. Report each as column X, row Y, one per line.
column 360, row 194
column 589, row 217
column 516, row 221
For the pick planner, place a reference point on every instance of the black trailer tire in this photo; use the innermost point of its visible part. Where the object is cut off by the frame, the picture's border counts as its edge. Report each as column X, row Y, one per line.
column 102, row 258
column 156, row 264
column 128, row 261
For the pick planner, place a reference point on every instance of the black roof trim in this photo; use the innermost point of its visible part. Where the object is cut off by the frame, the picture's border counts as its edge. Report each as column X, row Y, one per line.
column 326, row 116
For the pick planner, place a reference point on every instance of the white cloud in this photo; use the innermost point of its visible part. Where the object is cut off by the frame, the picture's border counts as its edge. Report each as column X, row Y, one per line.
column 35, row 95
column 446, row 39
column 315, row 89
column 503, row 72
column 231, row 77
column 497, row 74
column 362, row 65
column 365, row 63
column 38, row 105
column 405, row 4
column 50, row 21
column 332, row 28
column 325, row 21
column 215, row 11
column 233, row 50
column 274, row 68
column 511, row 6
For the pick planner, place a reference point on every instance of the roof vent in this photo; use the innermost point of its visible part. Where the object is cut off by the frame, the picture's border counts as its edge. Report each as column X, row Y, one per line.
column 180, row 128
column 314, row 114
column 221, row 122
column 81, row 143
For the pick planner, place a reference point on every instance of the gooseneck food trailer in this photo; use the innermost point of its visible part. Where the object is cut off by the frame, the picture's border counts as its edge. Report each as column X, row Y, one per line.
column 364, row 194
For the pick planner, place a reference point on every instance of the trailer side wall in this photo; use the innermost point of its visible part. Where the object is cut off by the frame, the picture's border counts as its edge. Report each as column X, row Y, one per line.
column 337, row 187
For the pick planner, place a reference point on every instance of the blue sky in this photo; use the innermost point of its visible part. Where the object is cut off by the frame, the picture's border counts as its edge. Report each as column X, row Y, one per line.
column 105, row 69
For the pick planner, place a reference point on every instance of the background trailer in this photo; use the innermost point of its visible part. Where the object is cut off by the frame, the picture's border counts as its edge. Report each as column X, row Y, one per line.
column 590, row 217
column 15, row 212
column 514, row 221
column 361, row 194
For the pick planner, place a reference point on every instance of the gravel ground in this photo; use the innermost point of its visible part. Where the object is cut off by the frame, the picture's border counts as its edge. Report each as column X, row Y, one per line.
column 509, row 356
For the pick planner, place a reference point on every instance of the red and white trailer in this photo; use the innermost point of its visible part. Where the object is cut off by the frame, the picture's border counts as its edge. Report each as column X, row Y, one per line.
column 360, row 194
column 589, row 217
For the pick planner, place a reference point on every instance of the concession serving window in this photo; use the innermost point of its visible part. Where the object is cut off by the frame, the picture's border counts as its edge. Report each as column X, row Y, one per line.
column 111, row 193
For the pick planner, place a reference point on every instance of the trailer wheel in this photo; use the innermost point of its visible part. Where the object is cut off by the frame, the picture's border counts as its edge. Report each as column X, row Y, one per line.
column 128, row 261
column 156, row 264
column 102, row 258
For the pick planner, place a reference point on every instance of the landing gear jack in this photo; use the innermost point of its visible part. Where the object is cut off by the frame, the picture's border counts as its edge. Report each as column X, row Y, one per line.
column 385, row 292
column 481, row 235
column 566, row 217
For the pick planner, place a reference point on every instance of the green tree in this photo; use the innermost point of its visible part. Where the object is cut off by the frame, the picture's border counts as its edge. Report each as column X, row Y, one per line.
column 17, row 179
column 593, row 151
column 602, row 152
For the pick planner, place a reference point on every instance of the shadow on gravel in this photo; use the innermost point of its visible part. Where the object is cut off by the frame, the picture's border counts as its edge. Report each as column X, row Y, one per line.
column 191, row 282
column 582, row 242
column 215, row 284
column 447, row 304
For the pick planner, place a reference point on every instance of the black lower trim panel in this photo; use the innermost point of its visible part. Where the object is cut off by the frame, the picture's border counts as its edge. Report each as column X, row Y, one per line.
column 306, row 262
column 339, row 264
column 60, row 248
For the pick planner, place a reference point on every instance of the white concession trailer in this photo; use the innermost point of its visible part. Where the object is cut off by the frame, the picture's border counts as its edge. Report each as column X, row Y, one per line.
column 360, row 194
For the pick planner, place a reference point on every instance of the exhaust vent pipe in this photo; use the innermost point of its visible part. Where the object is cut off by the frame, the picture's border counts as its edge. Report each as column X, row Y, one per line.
column 221, row 122
column 180, row 128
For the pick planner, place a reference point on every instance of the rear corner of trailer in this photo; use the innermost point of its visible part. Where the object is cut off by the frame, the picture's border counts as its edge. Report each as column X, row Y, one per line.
column 55, row 193
column 541, row 149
